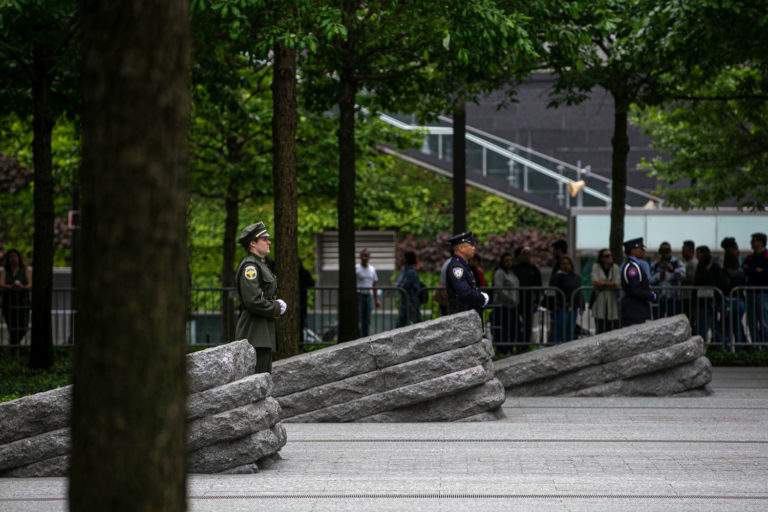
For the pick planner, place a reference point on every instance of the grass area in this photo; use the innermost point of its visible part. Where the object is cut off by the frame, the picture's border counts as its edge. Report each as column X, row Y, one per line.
column 741, row 358
column 17, row 379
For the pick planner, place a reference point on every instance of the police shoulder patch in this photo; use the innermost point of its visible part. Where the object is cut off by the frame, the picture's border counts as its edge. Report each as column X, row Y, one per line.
column 250, row 272
column 632, row 271
column 457, row 272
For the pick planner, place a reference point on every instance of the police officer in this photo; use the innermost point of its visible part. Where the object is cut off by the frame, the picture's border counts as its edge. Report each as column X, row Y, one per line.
column 460, row 283
column 257, row 287
column 636, row 302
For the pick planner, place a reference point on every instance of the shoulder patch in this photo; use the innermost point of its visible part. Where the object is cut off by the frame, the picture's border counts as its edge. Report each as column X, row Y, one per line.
column 457, row 272
column 632, row 271
column 250, row 272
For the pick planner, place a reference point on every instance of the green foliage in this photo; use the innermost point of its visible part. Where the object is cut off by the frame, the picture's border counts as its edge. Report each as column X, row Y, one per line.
column 17, row 184
column 43, row 24
column 740, row 358
column 714, row 131
column 483, row 46
column 18, row 380
column 495, row 215
column 397, row 196
column 721, row 146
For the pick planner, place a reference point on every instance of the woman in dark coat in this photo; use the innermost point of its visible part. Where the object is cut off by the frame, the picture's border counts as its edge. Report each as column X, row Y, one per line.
column 708, row 277
column 567, row 281
column 15, row 281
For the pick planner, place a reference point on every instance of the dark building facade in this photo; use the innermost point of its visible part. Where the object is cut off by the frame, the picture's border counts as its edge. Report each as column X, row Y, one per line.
column 580, row 133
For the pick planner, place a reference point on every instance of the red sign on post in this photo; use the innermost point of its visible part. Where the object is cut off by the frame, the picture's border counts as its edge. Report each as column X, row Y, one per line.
column 73, row 220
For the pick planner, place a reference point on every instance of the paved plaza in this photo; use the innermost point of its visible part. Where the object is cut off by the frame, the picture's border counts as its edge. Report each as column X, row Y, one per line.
column 569, row 454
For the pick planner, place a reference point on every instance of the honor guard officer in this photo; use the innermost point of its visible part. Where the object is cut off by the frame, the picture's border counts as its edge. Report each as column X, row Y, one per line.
column 636, row 302
column 460, row 283
column 257, row 288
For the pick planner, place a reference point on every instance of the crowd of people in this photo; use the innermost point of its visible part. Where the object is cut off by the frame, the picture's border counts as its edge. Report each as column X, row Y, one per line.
column 720, row 298
column 614, row 294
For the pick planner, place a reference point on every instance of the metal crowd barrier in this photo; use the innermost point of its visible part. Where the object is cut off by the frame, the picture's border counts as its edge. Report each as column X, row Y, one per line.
column 536, row 316
column 738, row 321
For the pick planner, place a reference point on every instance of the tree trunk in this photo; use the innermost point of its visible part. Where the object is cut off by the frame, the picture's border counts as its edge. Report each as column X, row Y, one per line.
column 286, row 197
column 348, row 315
column 620, row 143
column 228, row 261
column 41, row 355
column 128, row 415
column 459, row 168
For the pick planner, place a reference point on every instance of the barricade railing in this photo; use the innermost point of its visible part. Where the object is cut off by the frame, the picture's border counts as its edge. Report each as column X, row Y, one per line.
column 516, row 318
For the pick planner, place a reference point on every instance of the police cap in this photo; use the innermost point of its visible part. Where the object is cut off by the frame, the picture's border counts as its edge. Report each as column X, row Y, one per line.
column 461, row 238
column 252, row 232
column 631, row 244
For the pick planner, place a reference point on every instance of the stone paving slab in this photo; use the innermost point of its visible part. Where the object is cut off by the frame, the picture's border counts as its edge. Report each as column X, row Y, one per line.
column 569, row 454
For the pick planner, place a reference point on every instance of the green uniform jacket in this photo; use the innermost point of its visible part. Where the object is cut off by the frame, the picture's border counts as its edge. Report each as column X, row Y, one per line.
column 257, row 286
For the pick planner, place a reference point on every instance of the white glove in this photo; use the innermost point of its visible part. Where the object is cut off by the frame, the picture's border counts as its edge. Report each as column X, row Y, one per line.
column 486, row 297
column 283, row 306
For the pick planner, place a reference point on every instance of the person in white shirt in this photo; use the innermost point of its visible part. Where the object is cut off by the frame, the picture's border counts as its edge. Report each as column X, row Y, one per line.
column 366, row 291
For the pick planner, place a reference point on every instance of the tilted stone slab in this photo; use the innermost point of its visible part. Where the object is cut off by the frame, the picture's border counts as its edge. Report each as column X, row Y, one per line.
column 220, row 365
column 35, row 414
column 50, row 410
column 34, row 449
column 56, row 466
column 399, row 397
column 232, row 424
column 603, row 348
column 681, row 378
column 240, row 452
column 466, row 404
column 229, row 396
column 379, row 381
column 320, row 367
column 426, row 338
column 628, row 367
column 374, row 352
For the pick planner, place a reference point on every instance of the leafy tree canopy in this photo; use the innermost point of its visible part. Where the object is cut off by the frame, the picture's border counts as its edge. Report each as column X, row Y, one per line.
column 719, row 147
column 713, row 133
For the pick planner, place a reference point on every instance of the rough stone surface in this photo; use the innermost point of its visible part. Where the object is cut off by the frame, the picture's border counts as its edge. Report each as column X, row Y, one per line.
column 379, row 381
column 220, row 365
column 35, row 414
column 229, row 396
column 232, row 424
column 375, row 352
column 398, row 397
column 426, row 338
column 679, row 379
column 227, row 405
column 419, row 364
column 471, row 404
column 595, row 350
column 628, row 367
column 245, row 469
column 56, row 466
column 232, row 454
column 33, row 449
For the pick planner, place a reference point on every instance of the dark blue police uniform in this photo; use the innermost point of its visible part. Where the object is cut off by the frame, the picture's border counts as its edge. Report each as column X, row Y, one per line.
column 460, row 284
column 636, row 303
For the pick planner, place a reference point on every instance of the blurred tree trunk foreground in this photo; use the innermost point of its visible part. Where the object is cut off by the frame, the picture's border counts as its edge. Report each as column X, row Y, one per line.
column 129, row 420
